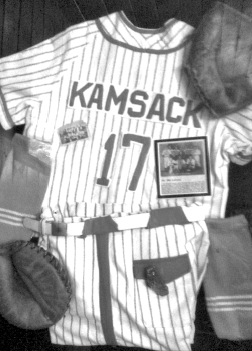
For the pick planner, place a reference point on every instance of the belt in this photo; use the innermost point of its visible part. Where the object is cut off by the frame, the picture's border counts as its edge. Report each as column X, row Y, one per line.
column 76, row 226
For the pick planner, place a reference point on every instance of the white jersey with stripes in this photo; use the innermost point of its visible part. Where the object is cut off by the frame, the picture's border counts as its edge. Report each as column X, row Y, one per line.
column 122, row 88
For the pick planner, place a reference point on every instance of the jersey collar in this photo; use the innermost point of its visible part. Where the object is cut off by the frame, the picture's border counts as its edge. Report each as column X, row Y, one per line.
column 119, row 30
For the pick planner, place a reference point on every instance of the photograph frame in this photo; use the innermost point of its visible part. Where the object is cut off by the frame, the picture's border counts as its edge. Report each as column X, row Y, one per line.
column 182, row 167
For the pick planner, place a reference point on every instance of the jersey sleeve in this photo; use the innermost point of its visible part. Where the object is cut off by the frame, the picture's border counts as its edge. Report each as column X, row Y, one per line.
column 238, row 144
column 27, row 77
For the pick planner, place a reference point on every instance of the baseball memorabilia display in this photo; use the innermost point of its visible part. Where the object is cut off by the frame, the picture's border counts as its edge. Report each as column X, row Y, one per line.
column 105, row 95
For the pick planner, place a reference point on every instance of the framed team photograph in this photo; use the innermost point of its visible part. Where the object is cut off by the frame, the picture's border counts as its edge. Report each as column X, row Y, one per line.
column 182, row 167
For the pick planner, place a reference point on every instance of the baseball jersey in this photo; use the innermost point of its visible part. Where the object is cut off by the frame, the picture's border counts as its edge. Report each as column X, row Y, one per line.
column 104, row 94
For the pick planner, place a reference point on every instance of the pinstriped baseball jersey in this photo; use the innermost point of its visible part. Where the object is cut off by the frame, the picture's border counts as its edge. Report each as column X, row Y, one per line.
column 101, row 93
column 129, row 89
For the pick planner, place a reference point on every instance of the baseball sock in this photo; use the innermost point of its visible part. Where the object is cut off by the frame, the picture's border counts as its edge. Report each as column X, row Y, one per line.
column 228, row 279
column 23, row 183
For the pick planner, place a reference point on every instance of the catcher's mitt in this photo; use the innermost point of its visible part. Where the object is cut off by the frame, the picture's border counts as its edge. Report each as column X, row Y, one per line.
column 34, row 288
column 219, row 61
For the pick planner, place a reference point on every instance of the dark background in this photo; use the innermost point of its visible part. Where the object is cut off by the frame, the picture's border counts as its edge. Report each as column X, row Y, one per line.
column 24, row 23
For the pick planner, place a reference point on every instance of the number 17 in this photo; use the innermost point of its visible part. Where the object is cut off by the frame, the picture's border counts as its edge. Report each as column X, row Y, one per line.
column 127, row 141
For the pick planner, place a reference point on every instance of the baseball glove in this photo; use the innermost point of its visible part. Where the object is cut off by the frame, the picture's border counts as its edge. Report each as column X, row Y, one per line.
column 35, row 290
column 219, row 62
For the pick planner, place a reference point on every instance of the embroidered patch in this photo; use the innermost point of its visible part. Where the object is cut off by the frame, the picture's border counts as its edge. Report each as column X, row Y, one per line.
column 73, row 132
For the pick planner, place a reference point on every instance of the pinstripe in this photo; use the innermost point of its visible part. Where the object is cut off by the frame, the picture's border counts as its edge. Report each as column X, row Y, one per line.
column 121, row 160
column 138, row 70
column 76, row 170
column 95, row 59
column 132, row 246
column 94, row 301
column 239, row 132
column 162, row 315
column 116, row 280
column 169, row 302
column 79, row 178
column 186, row 294
column 245, row 118
column 178, row 34
column 185, row 297
column 82, row 61
column 141, row 311
column 35, row 128
column 49, row 108
column 116, row 56
column 153, row 183
column 130, row 66
column 122, row 65
column 155, row 73
column 33, row 66
column 145, row 179
column 87, row 160
column 165, row 41
column 139, row 132
column 75, row 299
column 134, row 150
column 53, row 178
column 126, row 289
column 91, row 56
column 113, row 165
column 179, row 307
column 38, row 72
column 162, row 41
column 67, row 81
column 72, row 172
column 55, row 106
column 68, row 250
column 66, row 174
column 146, row 72
column 20, row 113
column 173, row 70
column 124, row 34
column 83, row 287
column 99, row 62
column 128, row 34
column 99, row 141
column 150, row 304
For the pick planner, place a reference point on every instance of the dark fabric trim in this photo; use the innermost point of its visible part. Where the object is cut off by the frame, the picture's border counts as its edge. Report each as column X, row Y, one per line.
column 105, row 297
column 169, row 268
column 100, row 225
column 158, row 218
column 146, row 30
column 167, row 216
column 136, row 49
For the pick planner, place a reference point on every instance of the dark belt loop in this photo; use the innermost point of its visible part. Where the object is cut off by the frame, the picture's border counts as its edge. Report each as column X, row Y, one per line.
column 59, row 229
column 100, row 225
column 167, row 216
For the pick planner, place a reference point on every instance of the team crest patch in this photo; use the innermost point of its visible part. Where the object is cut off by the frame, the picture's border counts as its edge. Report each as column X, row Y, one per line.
column 73, row 132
